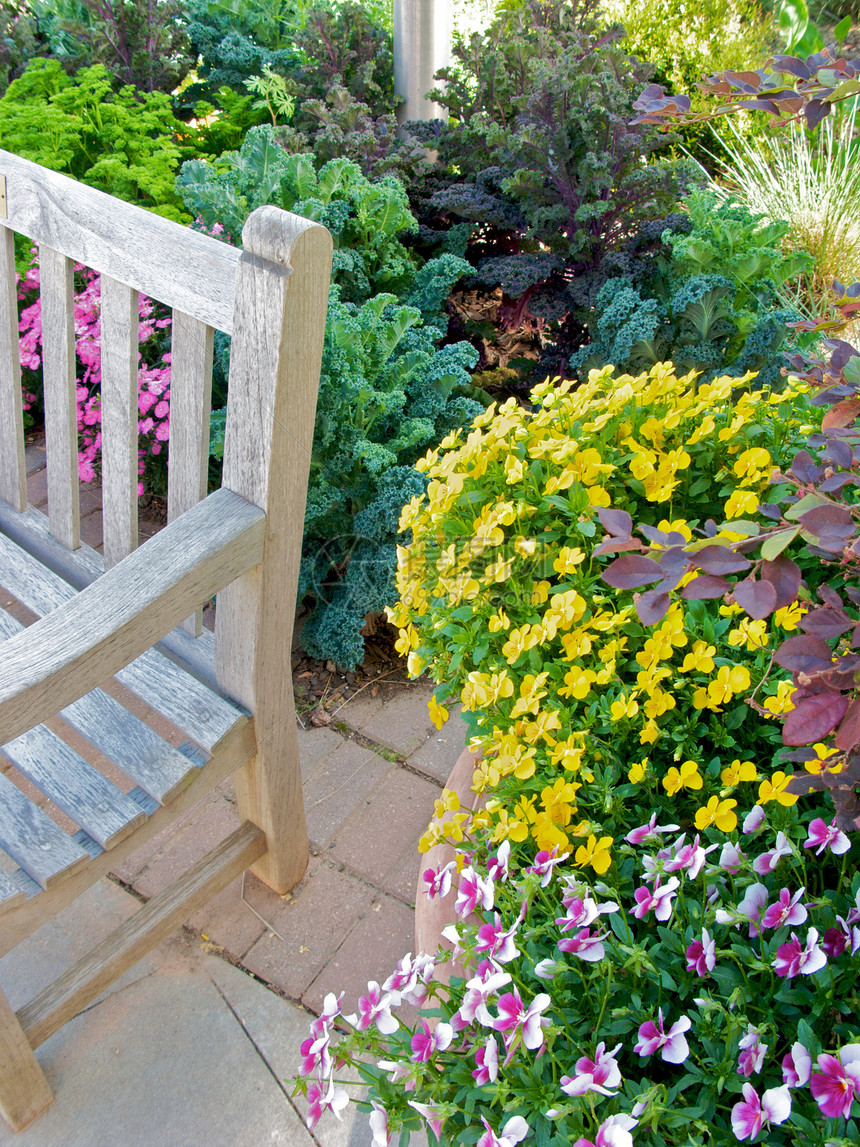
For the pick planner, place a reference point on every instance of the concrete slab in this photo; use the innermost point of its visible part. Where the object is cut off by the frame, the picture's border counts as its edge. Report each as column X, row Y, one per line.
column 439, row 753
column 166, row 1062
column 339, row 786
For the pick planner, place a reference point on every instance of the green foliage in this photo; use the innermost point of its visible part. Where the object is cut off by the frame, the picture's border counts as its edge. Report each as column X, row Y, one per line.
column 125, row 142
column 540, row 156
column 274, row 97
column 341, row 126
column 388, row 391
column 344, row 43
column 685, row 46
column 710, row 304
column 365, row 217
column 237, row 39
column 141, row 42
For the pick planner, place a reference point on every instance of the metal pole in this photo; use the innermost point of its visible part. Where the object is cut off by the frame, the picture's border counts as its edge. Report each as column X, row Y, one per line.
column 422, row 45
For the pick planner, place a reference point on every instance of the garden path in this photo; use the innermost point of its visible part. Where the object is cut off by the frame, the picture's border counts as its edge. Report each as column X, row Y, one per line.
column 193, row 1045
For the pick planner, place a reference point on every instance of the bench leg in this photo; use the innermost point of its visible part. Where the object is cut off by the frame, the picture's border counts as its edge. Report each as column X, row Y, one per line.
column 24, row 1091
column 269, row 794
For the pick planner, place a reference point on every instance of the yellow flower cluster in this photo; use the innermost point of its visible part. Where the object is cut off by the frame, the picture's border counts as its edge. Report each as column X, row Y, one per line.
column 500, row 595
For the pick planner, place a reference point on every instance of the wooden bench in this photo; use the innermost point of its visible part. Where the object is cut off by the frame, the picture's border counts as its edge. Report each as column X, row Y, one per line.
column 107, row 627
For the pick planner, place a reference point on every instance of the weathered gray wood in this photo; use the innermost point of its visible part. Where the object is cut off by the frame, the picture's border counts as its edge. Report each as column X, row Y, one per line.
column 24, row 920
column 74, row 786
column 31, row 529
column 10, row 893
column 166, row 911
column 74, row 649
column 13, row 478
column 189, row 704
column 159, row 258
column 158, row 768
column 24, row 1091
column 32, row 839
column 56, row 279
column 281, row 298
column 190, row 400
column 120, row 353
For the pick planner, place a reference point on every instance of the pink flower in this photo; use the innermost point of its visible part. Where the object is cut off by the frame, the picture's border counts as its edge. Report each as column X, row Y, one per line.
column 792, row 960
column 473, row 891
column 432, row 1113
column 324, row 1097
column 651, row 829
column 438, row 880
column 837, row 1083
column 425, row 1043
column 826, row 836
column 515, row 1020
column 751, row 909
column 753, row 819
column 478, row 991
column 513, row 1132
column 842, row 936
column 731, row 858
column 379, row 1125
column 768, row 861
column 544, row 864
column 409, row 979
column 702, row 955
column 374, row 1008
column 497, row 866
column 584, row 945
column 752, row 1113
column 671, row 1044
column 690, row 857
column 598, row 1074
column 580, row 913
column 752, row 1052
column 613, row 1132
column 487, row 1060
column 659, row 901
column 498, row 942
column 786, row 910
column 796, row 1066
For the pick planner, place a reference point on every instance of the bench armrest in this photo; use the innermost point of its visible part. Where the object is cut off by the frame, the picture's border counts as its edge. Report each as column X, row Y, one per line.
column 107, row 625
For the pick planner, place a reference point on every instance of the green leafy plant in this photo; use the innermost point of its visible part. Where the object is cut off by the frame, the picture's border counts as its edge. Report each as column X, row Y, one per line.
column 125, row 142
column 540, row 159
column 710, row 304
column 237, row 39
column 273, row 93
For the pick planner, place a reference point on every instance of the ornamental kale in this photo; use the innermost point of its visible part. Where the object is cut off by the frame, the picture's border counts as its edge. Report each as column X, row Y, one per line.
column 542, row 159
column 710, row 303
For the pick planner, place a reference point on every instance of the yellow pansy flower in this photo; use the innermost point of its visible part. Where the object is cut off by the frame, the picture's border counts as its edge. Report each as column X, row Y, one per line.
column 687, row 777
column 737, row 772
column 719, row 814
column 788, row 617
column 749, row 633
column 700, row 659
column 438, row 713
column 595, row 853
column 569, row 557
column 774, row 790
column 638, row 771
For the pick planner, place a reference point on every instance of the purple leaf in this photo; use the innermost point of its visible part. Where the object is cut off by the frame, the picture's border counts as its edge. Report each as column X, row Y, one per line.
column 757, row 598
column 784, row 575
column 719, row 560
column 705, row 586
column 804, row 654
column 826, row 622
column 828, row 520
column 803, row 467
column 815, row 111
column 652, row 606
column 813, row 718
column 618, row 523
column 631, row 571
column 848, row 733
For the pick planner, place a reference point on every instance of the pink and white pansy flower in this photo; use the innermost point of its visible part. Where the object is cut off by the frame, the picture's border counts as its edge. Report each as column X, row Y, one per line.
column 752, row 1114
column 671, row 1044
column 598, row 1074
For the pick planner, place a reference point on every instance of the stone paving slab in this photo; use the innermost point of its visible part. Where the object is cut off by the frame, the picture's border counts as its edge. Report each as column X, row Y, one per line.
column 400, row 722
column 166, row 1062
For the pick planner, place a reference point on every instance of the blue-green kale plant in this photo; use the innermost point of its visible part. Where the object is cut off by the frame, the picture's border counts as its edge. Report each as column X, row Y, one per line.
column 713, row 301
column 390, row 387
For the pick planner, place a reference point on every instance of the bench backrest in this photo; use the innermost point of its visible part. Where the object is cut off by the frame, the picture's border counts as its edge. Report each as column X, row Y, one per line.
column 210, row 286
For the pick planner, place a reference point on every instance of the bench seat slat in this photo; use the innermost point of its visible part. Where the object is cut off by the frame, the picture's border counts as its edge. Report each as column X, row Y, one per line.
column 180, row 698
column 136, row 749
column 10, row 893
column 74, row 785
column 31, row 838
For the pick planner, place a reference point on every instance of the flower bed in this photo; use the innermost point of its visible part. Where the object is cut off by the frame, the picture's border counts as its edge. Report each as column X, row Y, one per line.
column 668, row 939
